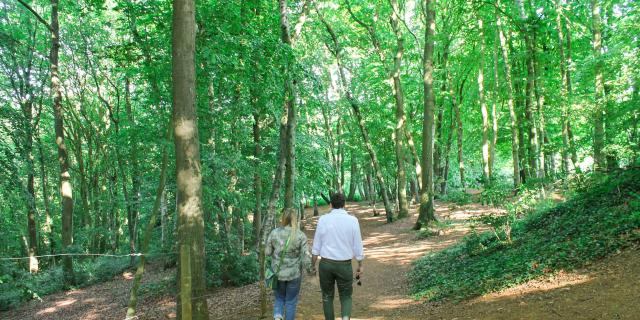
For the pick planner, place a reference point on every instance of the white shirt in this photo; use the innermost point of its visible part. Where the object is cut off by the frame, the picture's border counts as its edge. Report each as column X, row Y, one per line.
column 338, row 237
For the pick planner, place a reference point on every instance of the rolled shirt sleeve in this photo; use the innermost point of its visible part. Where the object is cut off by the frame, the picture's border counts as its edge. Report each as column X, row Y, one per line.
column 358, row 250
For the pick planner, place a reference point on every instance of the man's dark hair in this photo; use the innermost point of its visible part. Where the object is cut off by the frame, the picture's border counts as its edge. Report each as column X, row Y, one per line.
column 337, row 200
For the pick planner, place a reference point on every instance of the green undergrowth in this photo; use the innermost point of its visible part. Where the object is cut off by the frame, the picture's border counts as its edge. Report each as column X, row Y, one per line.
column 602, row 217
column 18, row 286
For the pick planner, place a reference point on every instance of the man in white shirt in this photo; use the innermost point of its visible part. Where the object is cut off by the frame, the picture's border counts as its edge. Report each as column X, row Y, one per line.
column 337, row 241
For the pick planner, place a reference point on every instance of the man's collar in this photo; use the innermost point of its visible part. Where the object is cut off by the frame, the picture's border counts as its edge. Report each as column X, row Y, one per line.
column 341, row 210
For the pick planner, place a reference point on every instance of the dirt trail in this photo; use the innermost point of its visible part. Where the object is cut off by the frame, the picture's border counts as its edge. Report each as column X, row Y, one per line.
column 607, row 290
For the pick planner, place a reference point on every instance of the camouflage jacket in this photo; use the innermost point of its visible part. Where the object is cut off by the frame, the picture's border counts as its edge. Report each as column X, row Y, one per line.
column 296, row 258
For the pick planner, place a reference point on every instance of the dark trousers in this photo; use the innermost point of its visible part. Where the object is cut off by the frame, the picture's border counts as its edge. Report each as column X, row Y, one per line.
column 334, row 273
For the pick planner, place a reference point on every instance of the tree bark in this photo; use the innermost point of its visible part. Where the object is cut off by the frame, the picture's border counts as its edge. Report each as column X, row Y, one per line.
column 290, row 100
column 529, row 113
column 133, row 297
column 66, row 190
column 459, row 132
column 598, row 110
column 135, row 168
column 564, row 94
column 512, row 113
column 360, row 121
column 44, row 182
column 403, row 204
column 427, row 211
column 494, row 107
column 445, row 172
column 188, row 172
column 354, row 178
column 486, row 155
column 257, row 179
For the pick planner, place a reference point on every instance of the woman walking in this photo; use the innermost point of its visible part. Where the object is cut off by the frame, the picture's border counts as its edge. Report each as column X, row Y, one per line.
column 287, row 246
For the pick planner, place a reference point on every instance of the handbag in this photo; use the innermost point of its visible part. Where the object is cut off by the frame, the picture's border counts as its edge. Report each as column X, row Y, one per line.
column 270, row 277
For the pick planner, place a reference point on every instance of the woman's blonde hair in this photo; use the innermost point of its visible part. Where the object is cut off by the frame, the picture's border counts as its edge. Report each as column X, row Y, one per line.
column 290, row 218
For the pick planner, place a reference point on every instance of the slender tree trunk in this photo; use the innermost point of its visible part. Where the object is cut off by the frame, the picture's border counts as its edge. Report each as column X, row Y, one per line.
column 437, row 151
column 572, row 147
column 598, row 110
column 84, row 189
column 360, row 121
column 494, row 107
column 315, row 207
column 529, row 114
column 564, row 95
column 257, row 179
column 135, row 169
column 27, row 153
column 427, row 211
column 354, row 177
column 459, row 137
column 163, row 221
column 514, row 123
column 133, row 298
column 286, row 157
column 290, row 100
column 340, row 157
column 445, row 171
column 540, row 100
column 486, row 154
column 44, row 183
column 332, row 151
column 188, row 176
column 114, row 220
column 399, row 131
column 66, row 190
column 414, row 158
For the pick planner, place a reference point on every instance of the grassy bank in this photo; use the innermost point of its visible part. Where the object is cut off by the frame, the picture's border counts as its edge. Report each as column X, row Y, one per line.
column 601, row 217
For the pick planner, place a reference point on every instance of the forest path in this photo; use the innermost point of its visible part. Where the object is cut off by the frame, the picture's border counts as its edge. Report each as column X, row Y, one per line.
column 606, row 290
column 389, row 251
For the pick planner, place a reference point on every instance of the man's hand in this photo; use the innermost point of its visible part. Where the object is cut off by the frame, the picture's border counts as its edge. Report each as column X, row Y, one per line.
column 360, row 271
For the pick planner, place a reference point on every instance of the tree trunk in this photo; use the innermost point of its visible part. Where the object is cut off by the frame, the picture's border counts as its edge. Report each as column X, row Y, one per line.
column 48, row 222
column 332, row 151
column 27, row 153
column 290, row 100
column 133, row 298
column 340, row 157
column 315, row 207
column 512, row 113
column 188, row 176
column 529, row 114
column 135, row 169
column 360, row 121
column 494, row 107
column 445, row 173
column 286, row 157
column 564, row 94
column 543, row 140
column 598, row 110
column 486, row 155
column 66, row 189
column 456, row 107
column 437, row 151
column 427, row 211
column 572, row 147
column 399, row 131
column 354, row 177
column 257, row 179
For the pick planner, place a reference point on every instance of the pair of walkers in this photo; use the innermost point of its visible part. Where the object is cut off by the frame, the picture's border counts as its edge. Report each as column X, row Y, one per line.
column 337, row 241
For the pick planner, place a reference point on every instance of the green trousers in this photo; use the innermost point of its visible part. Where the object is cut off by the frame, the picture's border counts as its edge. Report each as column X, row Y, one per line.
column 332, row 273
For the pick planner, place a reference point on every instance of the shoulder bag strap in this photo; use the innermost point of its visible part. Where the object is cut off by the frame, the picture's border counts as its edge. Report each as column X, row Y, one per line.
column 284, row 251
